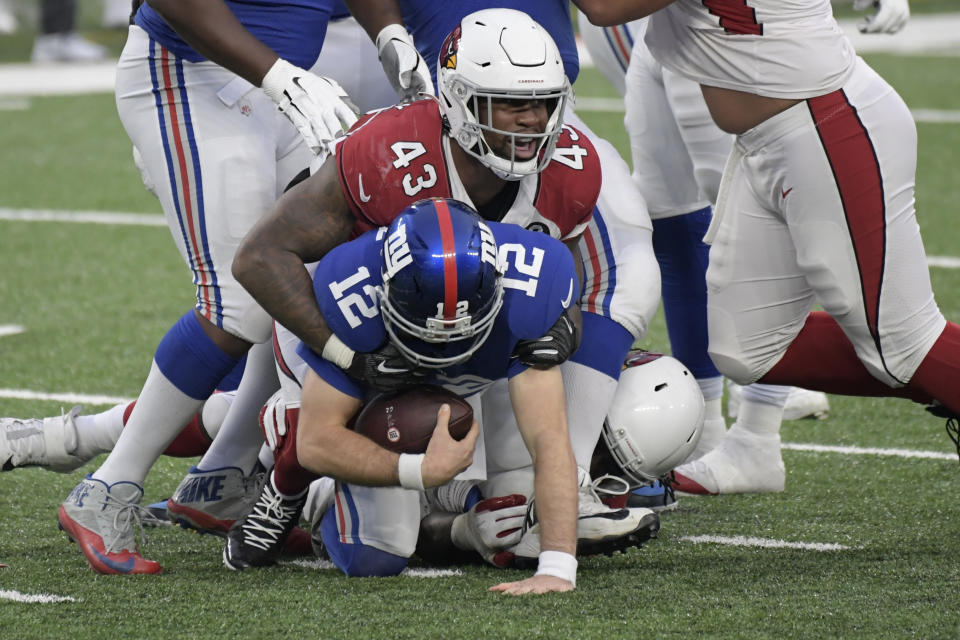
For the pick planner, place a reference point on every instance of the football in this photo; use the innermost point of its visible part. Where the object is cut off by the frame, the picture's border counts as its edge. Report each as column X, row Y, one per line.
column 403, row 421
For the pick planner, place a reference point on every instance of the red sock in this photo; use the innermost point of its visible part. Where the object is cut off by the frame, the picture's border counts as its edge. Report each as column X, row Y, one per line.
column 192, row 441
column 939, row 373
column 822, row 358
column 289, row 477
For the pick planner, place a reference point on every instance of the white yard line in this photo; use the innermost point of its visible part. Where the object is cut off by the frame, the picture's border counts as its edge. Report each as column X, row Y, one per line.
column 318, row 564
column 71, row 397
column 16, row 596
column 868, row 451
column 67, row 398
column 765, row 543
column 11, row 329
column 157, row 220
column 926, row 116
column 87, row 217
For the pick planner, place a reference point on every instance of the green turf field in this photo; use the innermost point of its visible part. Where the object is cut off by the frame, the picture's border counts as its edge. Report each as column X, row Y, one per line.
column 95, row 299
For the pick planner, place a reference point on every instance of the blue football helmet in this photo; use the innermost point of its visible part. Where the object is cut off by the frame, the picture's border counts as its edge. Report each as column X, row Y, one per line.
column 442, row 283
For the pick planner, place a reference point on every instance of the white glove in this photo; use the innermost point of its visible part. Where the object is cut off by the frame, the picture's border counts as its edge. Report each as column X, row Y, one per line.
column 277, row 418
column 407, row 71
column 317, row 106
column 890, row 17
column 490, row 527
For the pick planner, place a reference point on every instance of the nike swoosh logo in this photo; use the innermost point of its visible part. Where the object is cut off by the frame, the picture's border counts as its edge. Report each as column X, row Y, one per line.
column 122, row 567
column 783, row 194
column 566, row 301
column 382, row 368
column 363, row 197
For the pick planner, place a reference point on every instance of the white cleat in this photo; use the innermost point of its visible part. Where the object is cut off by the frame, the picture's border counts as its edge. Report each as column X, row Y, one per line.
column 40, row 442
column 743, row 463
column 801, row 403
column 66, row 47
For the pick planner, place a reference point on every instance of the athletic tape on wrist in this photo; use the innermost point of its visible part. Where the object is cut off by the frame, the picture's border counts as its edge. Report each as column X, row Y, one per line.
column 558, row 564
column 409, row 472
column 338, row 353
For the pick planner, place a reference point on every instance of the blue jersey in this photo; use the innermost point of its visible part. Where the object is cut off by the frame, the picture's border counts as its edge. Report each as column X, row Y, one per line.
column 294, row 29
column 539, row 284
column 430, row 22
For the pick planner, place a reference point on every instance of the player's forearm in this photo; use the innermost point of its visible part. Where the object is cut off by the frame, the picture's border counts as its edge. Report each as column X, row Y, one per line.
column 540, row 407
column 342, row 454
column 374, row 15
column 214, row 31
column 278, row 281
column 308, row 221
column 606, row 13
column 555, row 487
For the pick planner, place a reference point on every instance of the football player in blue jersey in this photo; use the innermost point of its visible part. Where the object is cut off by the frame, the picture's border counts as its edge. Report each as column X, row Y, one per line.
column 463, row 300
column 217, row 151
column 622, row 279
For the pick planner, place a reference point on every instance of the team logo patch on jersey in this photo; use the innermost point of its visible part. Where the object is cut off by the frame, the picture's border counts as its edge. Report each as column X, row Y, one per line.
column 539, row 227
column 448, row 51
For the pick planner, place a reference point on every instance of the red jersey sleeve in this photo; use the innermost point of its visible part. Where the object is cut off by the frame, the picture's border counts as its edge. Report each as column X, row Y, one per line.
column 390, row 159
column 570, row 185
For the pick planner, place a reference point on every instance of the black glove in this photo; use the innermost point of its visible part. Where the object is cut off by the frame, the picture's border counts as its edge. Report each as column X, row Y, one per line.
column 555, row 347
column 385, row 369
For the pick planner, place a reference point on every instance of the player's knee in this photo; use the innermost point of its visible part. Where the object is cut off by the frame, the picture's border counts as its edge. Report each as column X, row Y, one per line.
column 358, row 560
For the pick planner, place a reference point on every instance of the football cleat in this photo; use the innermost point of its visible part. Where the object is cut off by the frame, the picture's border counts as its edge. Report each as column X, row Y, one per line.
column 40, row 442
column 600, row 529
column 658, row 496
column 743, row 463
column 101, row 520
column 211, row 501
column 66, row 47
column 940, row 410
column 257, row 539
column 801, row 403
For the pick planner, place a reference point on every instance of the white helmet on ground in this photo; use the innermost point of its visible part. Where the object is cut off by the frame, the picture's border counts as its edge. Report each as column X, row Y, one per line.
column 501, row 54
column 656, row 416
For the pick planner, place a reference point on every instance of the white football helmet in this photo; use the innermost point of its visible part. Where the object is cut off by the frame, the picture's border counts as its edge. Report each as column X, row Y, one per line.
column 501, row 54
column 656, row 417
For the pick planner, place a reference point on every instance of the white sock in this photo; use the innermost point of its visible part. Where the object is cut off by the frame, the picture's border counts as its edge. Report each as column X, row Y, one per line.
column 239, row 439
column 589, row 394
column 712, row 388
column 161, row 411
column 761, row 410
column 98, row 433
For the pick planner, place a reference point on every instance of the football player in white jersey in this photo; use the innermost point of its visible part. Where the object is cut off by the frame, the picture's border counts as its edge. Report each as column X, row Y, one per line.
column 821, row 177
column 678, row 155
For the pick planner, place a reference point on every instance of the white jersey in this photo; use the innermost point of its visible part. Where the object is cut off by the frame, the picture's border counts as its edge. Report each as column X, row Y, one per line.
column 790, row 49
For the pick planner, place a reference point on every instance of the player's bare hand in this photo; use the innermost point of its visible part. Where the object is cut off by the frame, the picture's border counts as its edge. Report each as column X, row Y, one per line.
column 536, row 585
column 446, row 457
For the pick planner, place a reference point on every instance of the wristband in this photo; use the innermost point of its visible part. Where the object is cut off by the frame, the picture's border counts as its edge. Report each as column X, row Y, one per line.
column 408, row 470
column 338, row 353
column 558, row 564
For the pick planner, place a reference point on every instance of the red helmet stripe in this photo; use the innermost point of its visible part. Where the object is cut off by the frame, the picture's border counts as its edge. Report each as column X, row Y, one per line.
column 449, row 260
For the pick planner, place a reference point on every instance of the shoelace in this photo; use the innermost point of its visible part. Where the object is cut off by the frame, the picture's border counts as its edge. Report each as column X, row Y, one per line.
column 953, row 432
column 251, row 486
column 268, row 520
column 668, row 494
column 953, row 428
column 593, row 503
column 128, row 516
